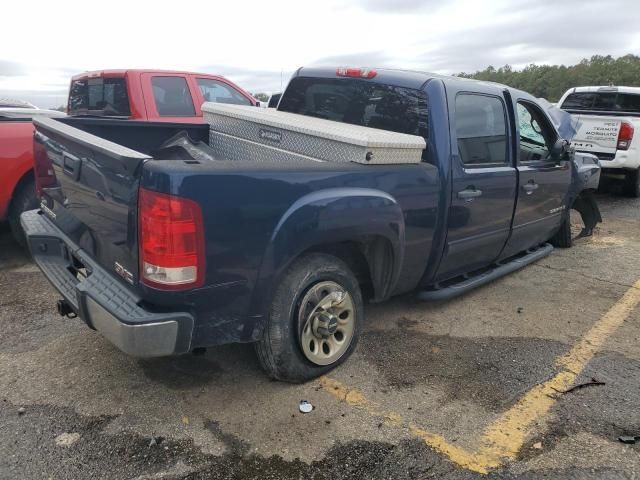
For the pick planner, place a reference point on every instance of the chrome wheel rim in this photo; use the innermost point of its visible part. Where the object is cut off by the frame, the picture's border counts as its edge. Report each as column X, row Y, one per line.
column 327, row 315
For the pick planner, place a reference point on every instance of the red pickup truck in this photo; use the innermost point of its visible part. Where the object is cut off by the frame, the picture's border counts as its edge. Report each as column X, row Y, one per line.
column 133, row 95
column 151, row 95
column 17, row 192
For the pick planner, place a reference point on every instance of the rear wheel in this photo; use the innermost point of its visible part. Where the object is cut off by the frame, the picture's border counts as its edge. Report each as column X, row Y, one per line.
column 314, row 322
column 24, row 198
column 632, row 183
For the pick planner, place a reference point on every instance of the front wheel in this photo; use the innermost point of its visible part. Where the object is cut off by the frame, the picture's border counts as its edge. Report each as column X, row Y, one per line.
column 563, row 237
column 314, row 321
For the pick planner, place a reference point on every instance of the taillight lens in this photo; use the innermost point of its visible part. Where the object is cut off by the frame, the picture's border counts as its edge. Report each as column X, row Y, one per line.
column 171, row 241
column 43, row 168
column 367, row 73
column 625, row 135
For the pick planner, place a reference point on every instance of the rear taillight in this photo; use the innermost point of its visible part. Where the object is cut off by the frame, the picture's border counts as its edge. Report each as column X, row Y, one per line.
column 625, row 135
column 43, row 169
column 171, row 241
column 367, row 73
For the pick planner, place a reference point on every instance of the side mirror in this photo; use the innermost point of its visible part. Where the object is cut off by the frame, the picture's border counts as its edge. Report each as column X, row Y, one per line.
column 559, row 150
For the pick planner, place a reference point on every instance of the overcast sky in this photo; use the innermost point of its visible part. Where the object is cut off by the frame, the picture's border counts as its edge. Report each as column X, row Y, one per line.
column 259, row 43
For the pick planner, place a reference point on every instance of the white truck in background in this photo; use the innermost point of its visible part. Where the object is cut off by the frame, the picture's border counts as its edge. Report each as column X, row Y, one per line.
column 607, row 118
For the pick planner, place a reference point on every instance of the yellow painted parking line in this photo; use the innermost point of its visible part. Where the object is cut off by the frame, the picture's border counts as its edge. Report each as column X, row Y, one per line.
column 504, row 438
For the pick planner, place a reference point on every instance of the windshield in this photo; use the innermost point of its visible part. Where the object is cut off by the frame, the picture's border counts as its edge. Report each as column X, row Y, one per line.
column 99, row 96
column 358, row 102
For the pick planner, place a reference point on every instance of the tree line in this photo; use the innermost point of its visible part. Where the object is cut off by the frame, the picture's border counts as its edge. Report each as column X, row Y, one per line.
column 551, row 81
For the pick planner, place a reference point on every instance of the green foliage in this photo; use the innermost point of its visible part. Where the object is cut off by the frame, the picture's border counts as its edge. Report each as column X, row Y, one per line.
column 551, row 81
column 263, row 97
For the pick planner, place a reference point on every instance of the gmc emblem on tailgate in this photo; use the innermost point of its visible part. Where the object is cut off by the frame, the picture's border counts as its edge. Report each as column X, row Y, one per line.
column 270, row 135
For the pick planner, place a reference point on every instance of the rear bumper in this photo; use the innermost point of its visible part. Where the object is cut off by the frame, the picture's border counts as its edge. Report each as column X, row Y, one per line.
column 101, row 300
column 624, row 159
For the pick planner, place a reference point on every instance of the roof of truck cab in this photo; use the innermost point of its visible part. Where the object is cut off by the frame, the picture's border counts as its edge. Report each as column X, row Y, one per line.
column 606, row 88
column 137, row 71
column 402, row 78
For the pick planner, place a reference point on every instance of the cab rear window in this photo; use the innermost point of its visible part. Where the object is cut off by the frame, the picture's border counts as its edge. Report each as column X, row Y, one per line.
column 603, row 101
column 358, row 102
column 99, row 96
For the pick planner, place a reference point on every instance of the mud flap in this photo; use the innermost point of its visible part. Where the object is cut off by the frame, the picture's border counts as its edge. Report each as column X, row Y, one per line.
column 587, row 206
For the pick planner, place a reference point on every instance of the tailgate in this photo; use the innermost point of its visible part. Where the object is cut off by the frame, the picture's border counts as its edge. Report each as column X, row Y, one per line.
column 93, row 198
column 596, row 134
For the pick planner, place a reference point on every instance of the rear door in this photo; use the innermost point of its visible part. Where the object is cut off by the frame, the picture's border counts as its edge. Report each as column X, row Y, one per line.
column 543, row 184
column 484, row 183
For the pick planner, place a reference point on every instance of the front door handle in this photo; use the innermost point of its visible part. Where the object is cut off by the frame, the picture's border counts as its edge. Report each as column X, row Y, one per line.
column 530, row 187
column 469, row 193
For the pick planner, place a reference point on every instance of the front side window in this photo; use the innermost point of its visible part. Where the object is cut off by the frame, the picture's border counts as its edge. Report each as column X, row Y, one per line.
column 481, row 130
column 99, row 96
column 172, row 97
column 536, row 134
column 219, row 92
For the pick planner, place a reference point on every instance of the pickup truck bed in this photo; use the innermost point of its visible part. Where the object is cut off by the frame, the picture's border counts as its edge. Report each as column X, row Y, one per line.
column 164, row 253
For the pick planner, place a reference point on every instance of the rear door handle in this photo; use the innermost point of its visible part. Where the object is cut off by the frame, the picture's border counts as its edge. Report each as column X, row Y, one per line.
column 469, row 193
column 530, row 187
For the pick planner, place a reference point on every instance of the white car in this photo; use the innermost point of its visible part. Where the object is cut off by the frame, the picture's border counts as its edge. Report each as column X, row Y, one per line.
column 607, row 118
column 10, row 108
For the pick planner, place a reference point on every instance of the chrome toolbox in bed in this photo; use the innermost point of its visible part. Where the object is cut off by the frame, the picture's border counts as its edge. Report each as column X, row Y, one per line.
column 239, row 132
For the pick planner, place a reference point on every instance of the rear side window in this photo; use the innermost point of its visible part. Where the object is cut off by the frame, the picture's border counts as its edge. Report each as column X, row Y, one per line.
column 172, row 97
column 358, row 102
column 481, row 130
column 99, row 96
column 219, row 92
column 603, row 101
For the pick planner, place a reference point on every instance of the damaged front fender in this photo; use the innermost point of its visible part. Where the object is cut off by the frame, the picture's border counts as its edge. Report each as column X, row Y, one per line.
column 585, row 180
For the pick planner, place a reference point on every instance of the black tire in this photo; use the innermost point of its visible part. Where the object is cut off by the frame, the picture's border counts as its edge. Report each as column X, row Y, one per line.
column 24, row 199
column 632, row 184
column 279, row 351
column 562, row 238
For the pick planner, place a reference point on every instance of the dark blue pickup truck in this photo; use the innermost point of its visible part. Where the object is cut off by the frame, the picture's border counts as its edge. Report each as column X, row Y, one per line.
column 167, row 250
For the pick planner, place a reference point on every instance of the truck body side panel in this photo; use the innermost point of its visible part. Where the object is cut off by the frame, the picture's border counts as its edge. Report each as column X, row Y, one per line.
column 16, row 139
column 260, row 216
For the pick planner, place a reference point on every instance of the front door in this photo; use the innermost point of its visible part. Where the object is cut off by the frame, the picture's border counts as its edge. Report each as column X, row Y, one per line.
column 543, row 181
column 484, row 185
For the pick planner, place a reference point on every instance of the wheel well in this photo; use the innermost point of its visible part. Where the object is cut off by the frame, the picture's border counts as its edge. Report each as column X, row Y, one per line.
column 26, row 178
column 370, row 260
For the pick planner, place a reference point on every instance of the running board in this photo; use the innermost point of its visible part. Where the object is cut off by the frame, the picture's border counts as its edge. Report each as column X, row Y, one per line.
column 497, row 271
